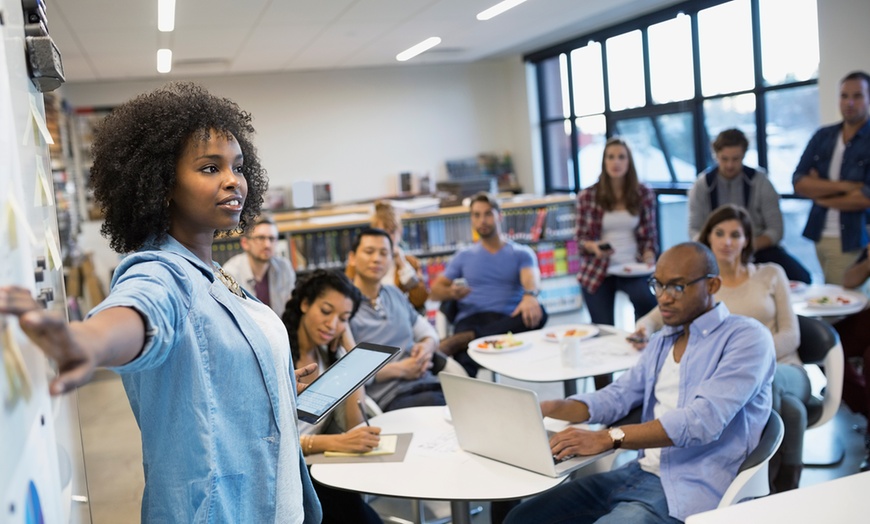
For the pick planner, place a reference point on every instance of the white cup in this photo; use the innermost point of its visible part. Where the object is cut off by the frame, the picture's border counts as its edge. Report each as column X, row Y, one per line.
column 570, row 351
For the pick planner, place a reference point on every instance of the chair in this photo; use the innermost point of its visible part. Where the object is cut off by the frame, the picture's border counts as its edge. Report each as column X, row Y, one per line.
column 820, row 345
column 752, row 479
column 442, row 362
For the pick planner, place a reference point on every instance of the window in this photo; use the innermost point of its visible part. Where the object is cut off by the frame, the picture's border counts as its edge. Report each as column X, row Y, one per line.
column 725, row 48
column 670, row 60
column 625, row 71
column 588, row 77
column 670, row 81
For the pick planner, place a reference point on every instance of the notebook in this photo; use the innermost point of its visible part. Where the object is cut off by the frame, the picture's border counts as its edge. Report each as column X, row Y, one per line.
column 504, row 423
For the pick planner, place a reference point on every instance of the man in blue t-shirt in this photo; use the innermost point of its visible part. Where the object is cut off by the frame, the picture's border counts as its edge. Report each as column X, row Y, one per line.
column 500, row 286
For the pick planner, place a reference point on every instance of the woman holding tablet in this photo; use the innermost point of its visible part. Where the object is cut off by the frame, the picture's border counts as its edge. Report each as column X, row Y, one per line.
column 316, row 318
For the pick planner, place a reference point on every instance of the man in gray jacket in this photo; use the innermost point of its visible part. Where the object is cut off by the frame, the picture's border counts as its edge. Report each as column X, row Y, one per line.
column 731, row 182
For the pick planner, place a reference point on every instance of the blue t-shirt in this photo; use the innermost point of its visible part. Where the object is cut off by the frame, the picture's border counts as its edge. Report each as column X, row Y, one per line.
column 494, row 278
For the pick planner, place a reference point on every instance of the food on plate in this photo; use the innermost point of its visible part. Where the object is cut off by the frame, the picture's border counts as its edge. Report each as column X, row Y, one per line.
column 496, row 343
column 838, row 300
column 554, row 335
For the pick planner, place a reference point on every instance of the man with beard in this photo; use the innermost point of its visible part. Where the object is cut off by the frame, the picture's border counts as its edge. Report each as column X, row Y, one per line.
column 499, row 293
column 259, row 270
column 833, row 172
column 704, row 386
column 386, row 317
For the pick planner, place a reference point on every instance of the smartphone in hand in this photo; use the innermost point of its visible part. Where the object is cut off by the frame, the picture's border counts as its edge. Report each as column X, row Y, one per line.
column 605, row 246
column 460, row 282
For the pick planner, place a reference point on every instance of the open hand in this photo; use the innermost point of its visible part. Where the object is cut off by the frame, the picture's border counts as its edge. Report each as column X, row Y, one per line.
column 53, row 335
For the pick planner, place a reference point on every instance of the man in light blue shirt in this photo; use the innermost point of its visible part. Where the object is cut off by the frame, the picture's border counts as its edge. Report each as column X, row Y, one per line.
column 703, row 384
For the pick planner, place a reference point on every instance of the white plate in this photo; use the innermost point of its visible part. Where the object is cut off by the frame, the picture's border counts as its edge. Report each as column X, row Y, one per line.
column 632, row 269
column 493, row 351
column 832, row 301
column 556, row 333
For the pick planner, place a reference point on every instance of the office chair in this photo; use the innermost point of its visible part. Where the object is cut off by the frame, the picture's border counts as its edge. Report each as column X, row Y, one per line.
column 820, row 345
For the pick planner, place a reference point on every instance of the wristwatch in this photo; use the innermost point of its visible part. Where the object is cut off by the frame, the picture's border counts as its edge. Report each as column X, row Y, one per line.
column 531, row 292
column 617, row 436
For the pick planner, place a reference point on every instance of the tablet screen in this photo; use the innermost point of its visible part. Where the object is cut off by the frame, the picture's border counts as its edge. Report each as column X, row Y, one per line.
column 341, row 379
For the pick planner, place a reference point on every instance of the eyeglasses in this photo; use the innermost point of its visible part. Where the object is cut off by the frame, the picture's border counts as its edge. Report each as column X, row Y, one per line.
column 263, row 238
column 674, row 290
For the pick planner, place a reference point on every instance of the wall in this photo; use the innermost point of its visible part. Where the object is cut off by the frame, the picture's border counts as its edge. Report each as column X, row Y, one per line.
column 359, row 128
column 844, row 42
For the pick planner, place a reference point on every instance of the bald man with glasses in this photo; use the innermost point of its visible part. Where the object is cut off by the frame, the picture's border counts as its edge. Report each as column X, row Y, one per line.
column 703, row 384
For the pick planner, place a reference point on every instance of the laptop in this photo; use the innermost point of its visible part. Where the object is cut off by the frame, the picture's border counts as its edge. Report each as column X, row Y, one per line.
column 504, row 423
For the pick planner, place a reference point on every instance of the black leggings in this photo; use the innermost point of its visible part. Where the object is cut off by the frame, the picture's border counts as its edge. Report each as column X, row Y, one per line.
column 344, row 507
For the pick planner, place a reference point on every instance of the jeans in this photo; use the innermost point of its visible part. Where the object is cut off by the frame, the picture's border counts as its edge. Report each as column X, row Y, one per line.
column 600, row 304
column 626, row 495
column 793, row 269
column 791, row 393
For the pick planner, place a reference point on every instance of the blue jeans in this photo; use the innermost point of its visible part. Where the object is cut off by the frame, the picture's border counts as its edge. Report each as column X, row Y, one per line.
column 626, row 495
column 600, row 304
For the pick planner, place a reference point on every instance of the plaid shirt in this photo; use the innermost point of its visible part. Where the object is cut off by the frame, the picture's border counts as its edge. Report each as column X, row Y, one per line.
column 589, row 219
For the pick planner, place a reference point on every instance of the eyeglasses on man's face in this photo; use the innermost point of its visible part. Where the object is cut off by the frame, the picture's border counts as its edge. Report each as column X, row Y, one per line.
column 263, row 238
column 673, row 290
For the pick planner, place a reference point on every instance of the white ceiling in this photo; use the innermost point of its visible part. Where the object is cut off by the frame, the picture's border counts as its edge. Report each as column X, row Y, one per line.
column 118, row 39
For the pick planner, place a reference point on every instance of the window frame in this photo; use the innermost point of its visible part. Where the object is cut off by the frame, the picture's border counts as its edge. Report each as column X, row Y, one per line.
column 694, row 105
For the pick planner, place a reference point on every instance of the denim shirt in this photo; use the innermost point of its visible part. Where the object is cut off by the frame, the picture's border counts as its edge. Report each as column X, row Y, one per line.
column 724, row 403
column 204, row 393
column 856, row 167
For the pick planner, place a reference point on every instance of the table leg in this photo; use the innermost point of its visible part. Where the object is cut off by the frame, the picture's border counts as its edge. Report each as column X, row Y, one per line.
column 570, row 387
column 460, row 511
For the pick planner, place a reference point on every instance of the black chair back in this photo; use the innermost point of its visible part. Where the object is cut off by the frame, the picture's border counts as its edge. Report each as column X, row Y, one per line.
column 817, row 337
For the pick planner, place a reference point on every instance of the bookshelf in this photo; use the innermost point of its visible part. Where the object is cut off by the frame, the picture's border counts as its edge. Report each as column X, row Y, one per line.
column 322, row 238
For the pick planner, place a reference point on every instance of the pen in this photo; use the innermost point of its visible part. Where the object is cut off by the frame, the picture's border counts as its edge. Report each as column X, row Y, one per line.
column 362, row 410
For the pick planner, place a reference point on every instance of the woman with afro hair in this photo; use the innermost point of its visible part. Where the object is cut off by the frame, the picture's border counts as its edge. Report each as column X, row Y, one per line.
column 206, row 367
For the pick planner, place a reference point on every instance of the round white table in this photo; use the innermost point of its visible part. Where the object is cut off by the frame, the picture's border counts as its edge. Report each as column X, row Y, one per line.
column 542, row 360
column 434, row 467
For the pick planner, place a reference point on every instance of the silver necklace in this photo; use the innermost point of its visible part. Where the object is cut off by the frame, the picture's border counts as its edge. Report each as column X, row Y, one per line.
column 229, row 281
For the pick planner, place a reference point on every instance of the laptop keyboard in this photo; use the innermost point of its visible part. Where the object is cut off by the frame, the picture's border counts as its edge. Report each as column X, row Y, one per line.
column 563, row 459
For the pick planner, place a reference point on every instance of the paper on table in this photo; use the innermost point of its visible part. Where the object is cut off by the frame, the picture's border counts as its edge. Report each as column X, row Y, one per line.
column 387, row 446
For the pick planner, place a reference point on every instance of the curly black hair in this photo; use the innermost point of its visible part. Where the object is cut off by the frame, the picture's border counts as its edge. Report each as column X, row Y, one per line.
column 137, row 146
column 307, row 290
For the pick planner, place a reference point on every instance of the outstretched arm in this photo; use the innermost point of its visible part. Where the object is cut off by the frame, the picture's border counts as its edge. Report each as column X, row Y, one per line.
column 112, row 337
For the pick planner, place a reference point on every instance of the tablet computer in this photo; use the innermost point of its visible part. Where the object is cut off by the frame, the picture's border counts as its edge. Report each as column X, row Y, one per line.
column 341, row 379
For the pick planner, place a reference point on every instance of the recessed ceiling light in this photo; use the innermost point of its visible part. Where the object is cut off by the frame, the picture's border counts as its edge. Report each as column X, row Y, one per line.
column 166, row 15
column 413, row 51
column 498, row 9
column 164, row 60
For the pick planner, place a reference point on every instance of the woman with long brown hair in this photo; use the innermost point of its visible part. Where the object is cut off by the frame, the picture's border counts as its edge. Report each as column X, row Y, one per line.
column 616, row 229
